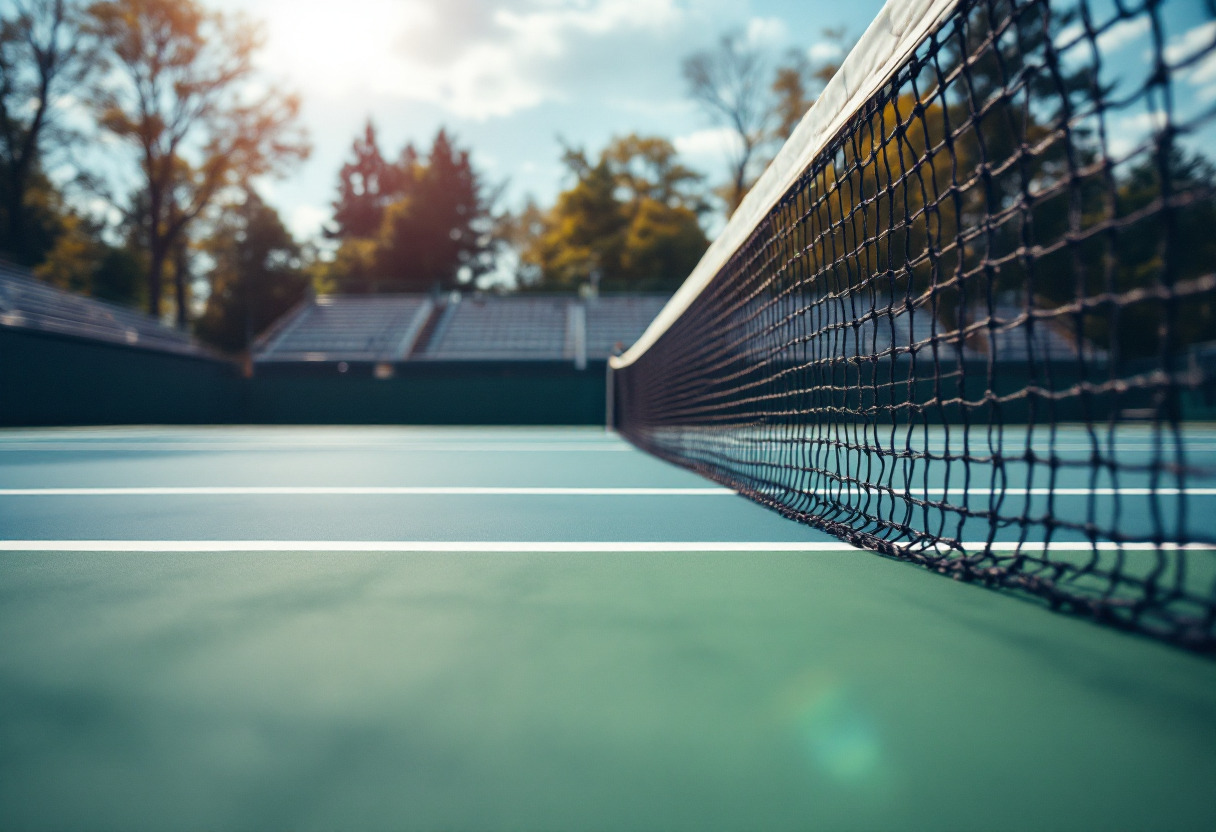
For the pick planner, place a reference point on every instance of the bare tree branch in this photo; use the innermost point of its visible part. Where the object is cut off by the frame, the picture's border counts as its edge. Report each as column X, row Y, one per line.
column 730, row 82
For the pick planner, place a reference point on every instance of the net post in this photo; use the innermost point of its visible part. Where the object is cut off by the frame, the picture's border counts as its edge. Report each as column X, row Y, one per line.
column 576, row 323
column 609, row 399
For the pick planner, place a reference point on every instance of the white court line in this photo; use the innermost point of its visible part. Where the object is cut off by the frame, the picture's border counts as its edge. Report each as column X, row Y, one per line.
column 898, row 491
column 591, row 546
column 28, row 447
column 153, row 447
column 524, row 491
column 404, row 546
column 203, row 491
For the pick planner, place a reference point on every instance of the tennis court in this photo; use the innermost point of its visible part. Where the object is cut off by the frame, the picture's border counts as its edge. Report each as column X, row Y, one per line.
column 964, row 320
column 424, row 628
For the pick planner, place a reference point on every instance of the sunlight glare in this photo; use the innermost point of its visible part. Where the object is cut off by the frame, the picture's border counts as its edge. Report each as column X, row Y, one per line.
column 333, row 48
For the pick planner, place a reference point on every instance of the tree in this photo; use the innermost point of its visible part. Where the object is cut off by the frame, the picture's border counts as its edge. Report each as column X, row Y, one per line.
column 81, row 261
column 352, row 268
column 631, row 218
column 436, row 228
column 732, row 84
column 367, row 186
column 77, row 251
column 119, row 276
column 439, row 235
column 179, row 90
column 583, row 234
column 42, row 55
column 1059, row 227
column 258, row 275
column 798, row 82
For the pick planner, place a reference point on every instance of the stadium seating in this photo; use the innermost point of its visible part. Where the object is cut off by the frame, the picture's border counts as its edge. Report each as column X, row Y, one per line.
column 362, row 328
column 463, row 328
column 27, row 303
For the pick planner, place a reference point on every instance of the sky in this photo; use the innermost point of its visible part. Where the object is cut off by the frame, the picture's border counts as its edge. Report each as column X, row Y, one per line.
column 510, row 78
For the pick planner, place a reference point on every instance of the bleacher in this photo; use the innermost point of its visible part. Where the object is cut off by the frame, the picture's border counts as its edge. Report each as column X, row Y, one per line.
column 396, row 328
column 896, row 329
column 457, row 328
column 615, row 322
column 361, row 328
column 28, row 303
column 511, row 329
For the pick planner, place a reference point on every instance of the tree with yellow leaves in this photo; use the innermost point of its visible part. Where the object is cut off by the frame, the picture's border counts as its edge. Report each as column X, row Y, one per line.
column 630, row 222
column 179, row 89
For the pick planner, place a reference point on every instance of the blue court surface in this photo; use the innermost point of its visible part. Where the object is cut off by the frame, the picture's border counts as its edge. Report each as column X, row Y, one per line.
column 537, row 629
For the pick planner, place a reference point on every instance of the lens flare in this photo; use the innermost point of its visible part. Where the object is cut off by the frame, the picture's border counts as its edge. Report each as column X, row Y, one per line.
column 840, row 737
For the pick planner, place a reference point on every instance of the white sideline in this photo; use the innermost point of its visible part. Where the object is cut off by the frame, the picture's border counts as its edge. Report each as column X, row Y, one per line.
column 296, row 491
column 874, row 489
column 894, row 35
column 405, row 546
column 508, row 546
column 161, row 447
column 558, row 491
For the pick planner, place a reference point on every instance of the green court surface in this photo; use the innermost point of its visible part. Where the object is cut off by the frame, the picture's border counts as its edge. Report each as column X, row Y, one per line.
column 190, row 641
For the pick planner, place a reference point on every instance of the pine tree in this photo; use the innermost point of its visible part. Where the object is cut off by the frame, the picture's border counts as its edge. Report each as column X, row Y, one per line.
column 366, row 187
column 439, row 235
column 257, row 275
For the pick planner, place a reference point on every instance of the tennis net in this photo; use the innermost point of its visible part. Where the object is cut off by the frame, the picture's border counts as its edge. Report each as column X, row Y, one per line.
column 965, row 317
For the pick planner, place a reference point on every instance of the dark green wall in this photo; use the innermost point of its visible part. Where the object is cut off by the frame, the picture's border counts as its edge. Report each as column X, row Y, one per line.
column 442, row 393
column 47, row 379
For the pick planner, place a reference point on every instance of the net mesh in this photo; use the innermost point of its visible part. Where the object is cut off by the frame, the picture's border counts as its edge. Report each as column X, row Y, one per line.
column 972, row 333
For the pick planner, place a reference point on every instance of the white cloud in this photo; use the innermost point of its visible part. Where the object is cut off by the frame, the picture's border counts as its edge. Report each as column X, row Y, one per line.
column 1205, row 70
column 766, row 31
column 473, row 58
column 1131, row 133
column 1143, row 123
column 511, row 58
column 597, row 18
column 1123, row 33
column 306, row 221
column 1195, row 40
column 1068, row 34
column 498, row 61
column 335, row 48
column 824, row 51
column 707, row 148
